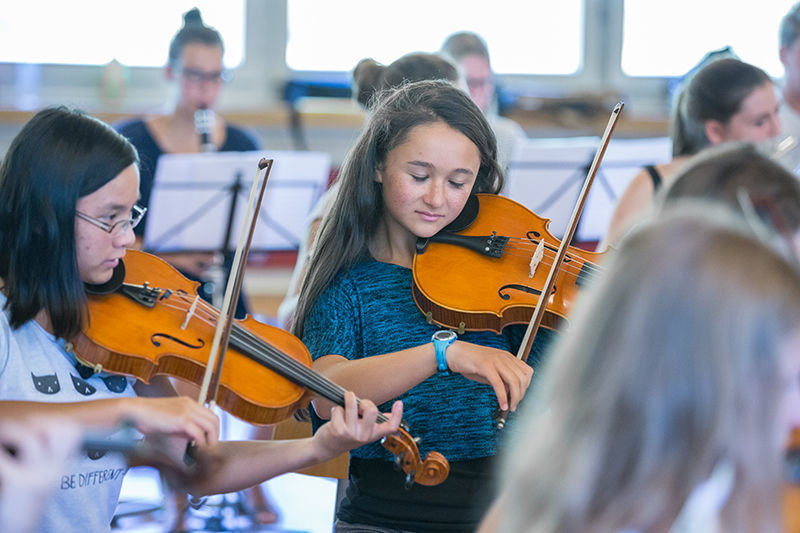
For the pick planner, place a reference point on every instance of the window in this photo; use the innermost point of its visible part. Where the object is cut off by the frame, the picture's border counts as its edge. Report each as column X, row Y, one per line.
column 669, row 38
column 531, row 37
column 93, row 32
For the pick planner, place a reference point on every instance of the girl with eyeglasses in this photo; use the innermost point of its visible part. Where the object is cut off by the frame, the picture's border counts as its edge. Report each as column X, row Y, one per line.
column 69, row 185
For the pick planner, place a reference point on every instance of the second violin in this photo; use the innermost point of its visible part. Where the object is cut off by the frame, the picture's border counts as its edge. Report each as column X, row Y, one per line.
column 487, row 271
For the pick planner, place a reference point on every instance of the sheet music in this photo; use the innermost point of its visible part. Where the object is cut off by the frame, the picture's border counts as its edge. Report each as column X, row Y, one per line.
column 546, row 175
column 191, row 199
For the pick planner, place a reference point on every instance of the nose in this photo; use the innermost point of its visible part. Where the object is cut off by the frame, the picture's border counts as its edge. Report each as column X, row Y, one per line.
column 775, row 126
column 126, row 238
column 434, row 195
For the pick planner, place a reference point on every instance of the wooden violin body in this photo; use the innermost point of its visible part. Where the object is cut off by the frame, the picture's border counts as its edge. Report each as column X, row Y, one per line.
column 479, row 278
column 129, row 337
column 154, row 323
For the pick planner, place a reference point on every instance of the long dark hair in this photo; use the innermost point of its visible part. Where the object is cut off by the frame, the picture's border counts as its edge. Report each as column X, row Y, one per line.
column 58, row 157
column 355, row 212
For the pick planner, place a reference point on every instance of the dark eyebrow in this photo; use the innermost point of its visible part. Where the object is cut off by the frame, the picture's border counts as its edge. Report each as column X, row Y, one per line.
column 425, row 164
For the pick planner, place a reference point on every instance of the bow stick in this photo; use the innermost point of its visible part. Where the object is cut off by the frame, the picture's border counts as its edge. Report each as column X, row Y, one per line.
column 219, row 346
column 569, row 233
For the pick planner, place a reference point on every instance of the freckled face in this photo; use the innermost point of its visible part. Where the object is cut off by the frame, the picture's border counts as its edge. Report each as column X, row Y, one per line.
column 427, row 180
column 98, row 251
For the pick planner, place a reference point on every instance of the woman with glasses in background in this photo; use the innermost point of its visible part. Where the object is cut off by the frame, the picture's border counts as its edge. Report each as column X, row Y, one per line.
column 195, row 67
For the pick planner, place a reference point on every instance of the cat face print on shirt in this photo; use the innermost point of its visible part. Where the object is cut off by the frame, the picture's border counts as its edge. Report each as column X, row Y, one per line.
column 46, row 384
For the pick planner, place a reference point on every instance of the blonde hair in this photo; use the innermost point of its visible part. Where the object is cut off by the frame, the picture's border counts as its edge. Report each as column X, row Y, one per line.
column 670, row 366
column 721, row 173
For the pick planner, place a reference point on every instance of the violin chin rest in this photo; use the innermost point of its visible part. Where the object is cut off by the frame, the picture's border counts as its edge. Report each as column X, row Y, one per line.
column 110, row 286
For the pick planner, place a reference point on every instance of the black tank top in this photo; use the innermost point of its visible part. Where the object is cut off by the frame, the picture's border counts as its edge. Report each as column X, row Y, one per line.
column 655, row 176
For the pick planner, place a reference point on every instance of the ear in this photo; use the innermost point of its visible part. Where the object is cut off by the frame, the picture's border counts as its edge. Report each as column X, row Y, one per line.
column 715, row 131
column 784, row 52
column 378, row 176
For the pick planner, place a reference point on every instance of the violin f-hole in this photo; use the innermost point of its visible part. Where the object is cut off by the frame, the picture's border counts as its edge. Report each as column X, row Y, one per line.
column 155, row 336
column 523, row 288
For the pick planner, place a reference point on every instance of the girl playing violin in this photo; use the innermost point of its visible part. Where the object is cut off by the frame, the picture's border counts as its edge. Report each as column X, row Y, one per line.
column 671, row 412
column 425, row 149
column 68, row 191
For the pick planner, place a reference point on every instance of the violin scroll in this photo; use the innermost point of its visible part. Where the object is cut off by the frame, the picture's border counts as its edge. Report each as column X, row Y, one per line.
column 433, row 470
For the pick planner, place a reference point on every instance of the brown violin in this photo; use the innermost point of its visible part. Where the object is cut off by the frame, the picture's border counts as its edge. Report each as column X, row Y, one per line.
column 487, row 269
column 148, row 320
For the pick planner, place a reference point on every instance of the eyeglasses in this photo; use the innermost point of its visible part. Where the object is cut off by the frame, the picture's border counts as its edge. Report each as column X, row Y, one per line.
column 120, row 226
column 196, row 76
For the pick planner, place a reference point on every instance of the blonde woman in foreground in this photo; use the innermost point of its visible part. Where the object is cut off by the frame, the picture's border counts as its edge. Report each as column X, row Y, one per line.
column 671, row 396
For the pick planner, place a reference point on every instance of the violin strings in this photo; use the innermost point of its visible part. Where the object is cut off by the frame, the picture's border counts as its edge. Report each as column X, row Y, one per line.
column 298, row 369
column 532, row 244
column 526, row 247
column 577, row 269
column 274, row 359
column 577, row 266
column 570, row 264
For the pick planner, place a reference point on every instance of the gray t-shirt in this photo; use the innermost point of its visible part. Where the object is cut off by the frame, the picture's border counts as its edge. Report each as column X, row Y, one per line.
column 34, row 366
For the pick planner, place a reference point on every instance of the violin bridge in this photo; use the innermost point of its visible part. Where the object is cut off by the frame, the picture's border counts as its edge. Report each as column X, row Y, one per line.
column 190, row 313
column 538, row 254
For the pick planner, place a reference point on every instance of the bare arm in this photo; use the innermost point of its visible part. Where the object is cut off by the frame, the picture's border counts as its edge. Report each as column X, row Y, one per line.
column 175, row 416
column 383, row 377
column 247, row 463
column 631, row 206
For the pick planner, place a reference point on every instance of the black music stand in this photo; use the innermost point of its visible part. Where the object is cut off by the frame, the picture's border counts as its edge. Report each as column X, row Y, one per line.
column 197, row 203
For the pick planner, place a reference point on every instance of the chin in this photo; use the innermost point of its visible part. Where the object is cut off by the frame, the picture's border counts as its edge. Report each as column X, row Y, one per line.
column 98, row 278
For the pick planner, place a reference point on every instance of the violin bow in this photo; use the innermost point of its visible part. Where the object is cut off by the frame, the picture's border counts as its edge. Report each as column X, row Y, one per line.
column 569, row 233
column 219, row 346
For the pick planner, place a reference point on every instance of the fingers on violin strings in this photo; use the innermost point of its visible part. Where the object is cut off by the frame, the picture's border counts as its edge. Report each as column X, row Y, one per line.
column 369, row 412
column 396, row 416
column 351, row 408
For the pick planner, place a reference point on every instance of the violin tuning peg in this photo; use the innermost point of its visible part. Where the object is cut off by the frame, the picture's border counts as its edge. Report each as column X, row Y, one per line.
column 409, row 480
column 417, row 441
column 398, row 462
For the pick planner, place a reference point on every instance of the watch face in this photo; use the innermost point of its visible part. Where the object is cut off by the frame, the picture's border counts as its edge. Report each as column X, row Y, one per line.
column 444, row 335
